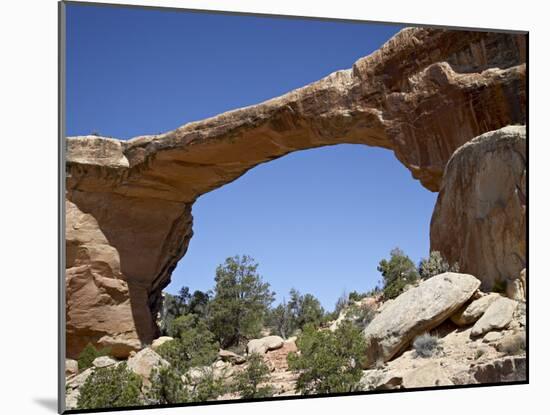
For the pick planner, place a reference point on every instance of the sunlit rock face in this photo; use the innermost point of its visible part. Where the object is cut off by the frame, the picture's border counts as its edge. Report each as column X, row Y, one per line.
column 423, row 94
column 479, row 219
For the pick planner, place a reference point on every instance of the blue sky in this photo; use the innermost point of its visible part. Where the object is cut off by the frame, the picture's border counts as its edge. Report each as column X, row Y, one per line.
column 317, row 220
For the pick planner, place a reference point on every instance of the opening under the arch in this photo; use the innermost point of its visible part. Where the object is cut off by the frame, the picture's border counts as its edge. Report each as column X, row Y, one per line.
column 318, row 220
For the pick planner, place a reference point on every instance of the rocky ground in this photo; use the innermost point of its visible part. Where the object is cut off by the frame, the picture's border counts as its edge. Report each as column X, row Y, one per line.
column 481, row 339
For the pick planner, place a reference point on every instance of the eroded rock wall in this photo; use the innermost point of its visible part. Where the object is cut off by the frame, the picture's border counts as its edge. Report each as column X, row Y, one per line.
column 98, row 304
column 479, row 219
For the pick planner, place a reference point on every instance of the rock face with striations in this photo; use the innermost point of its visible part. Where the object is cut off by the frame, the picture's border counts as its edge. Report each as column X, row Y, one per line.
column 423, row 94
column 479, row 218
column 98, row 306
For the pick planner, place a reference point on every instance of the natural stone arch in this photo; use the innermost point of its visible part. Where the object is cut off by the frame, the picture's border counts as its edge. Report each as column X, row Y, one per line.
column 423, row 94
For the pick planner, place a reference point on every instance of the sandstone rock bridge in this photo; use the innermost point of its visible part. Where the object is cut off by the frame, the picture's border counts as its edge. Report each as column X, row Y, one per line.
column 422, row 95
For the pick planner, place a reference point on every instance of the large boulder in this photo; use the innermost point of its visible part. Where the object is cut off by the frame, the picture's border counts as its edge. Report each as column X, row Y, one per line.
column 416, row 311
column 471, row 312
column 479, row 219
column 143, row 363
column 261, row 346
column 498, row 315
column 103, row 361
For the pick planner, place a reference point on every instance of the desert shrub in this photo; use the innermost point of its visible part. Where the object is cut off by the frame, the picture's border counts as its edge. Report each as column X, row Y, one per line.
column 88, row 355
column 397, row 273
column 207, row 388
column 247, row 383
column 176, row 354
column 426, row 345
column 166, row 387
column 110, row 387
column 328, row 362
column 193, row 344
column 435, row 265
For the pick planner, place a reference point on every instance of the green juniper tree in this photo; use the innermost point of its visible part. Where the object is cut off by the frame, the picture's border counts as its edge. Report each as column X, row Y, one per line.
column 397, row 272
column 166, row 387
column 300, row 310
column 247, row 383
column 193, row 344
column 110, row 387
column 329, row 362
column 435, row 265
column 208, row 388
column 304, row 309
column 198, row 303
column 240, row 303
